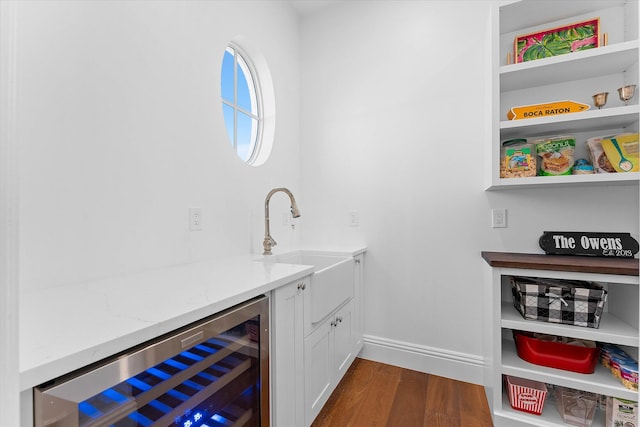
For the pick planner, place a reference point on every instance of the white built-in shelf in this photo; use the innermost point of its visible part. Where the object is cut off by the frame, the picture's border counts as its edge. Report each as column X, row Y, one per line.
column 612, row 329
column 550, row 416
column 571, row 67
column 620, row 274
column 519, row 15
column 602, row 381
column 627, row 178
column 570, row 74
column 573, row 76
column 586, row 121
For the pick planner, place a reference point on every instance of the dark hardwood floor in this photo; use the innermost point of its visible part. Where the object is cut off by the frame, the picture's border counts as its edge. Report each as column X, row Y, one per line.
column 375, row 394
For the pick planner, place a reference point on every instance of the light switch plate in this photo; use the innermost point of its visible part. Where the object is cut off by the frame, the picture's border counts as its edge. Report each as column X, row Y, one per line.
column 195, row 219
column 354, row 218
column 499, row 218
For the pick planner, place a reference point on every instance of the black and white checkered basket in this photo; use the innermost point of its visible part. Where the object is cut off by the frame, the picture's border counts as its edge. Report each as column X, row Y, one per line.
column 570, row 302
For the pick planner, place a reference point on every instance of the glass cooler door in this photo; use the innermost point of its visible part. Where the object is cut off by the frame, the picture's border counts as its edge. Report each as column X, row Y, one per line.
column 216, row 375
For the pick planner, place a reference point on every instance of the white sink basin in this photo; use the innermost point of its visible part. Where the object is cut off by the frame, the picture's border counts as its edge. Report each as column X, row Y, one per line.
column 331, row 282
column 318, row 261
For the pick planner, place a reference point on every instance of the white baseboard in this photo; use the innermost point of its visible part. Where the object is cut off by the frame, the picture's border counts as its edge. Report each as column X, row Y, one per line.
column 436, row 361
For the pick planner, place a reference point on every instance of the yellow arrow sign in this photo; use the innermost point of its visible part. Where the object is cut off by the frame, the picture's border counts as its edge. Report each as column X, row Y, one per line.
column 545, row 110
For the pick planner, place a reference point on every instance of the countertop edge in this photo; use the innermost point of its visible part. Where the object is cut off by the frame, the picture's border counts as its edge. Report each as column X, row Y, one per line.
column 35, row 375
column 584, row 264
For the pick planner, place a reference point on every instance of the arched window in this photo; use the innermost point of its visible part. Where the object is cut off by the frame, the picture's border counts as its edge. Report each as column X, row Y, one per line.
column 241, row 104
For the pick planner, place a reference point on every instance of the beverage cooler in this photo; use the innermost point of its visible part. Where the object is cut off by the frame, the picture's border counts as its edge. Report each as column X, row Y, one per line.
column 211, row 373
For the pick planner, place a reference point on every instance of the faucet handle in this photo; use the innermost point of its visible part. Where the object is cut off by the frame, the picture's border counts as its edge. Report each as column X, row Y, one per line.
column 267, row 244
column 268, row 240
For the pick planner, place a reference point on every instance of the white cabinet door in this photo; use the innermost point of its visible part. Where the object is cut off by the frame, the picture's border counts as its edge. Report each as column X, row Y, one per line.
column 358, row 278
column 318, row 369
column 343, row 341
column 308, row 363
column 329, row 351
column 288, row 354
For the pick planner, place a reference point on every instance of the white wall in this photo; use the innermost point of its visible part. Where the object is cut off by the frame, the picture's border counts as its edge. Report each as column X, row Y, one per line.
column 393, row 126
column 9, row 282
column 120, row 132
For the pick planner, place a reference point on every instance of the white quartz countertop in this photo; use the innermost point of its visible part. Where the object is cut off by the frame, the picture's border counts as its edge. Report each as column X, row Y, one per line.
column 65, row 328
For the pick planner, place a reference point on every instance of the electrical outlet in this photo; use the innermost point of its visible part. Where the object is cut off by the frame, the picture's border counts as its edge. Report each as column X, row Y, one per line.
column 499, row 218
column 354, row 218
column 195, row 219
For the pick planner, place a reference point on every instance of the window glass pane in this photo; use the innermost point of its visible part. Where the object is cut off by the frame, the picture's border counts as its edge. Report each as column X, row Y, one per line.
column 227, row 79
column 246, row 87
column 242, row 112
column 247, row 129
column 228, row 122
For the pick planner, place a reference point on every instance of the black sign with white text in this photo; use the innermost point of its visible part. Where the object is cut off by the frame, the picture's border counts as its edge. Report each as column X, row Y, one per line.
column 619, row 245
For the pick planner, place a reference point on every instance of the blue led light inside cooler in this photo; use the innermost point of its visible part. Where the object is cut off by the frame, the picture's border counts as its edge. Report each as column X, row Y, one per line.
column 114, row 396
column 158, row 373
column 176, row 364
column 192, row 356
column 193, row 385
column 160, row 406
column 219, row 418
column 140, row 419
column 127, row 391
column 135, row 382
column 89, row 410
column 194, row 420
column 178, row 395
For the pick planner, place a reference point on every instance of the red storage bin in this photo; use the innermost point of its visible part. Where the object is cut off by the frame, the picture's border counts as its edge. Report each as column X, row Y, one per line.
column 556, row 354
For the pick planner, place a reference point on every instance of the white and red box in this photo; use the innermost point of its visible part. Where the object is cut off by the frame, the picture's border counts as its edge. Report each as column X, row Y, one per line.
column 526, row 395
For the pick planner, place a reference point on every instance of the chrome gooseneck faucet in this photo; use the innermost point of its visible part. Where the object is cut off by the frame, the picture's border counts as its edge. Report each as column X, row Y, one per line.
column 268, row 242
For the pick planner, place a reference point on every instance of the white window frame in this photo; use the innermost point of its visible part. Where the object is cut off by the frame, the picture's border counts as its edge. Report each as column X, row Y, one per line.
column 257, row 91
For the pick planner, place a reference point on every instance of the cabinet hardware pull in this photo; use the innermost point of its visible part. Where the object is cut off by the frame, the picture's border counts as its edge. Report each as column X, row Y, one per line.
column 302, row 286
column 357, row 261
